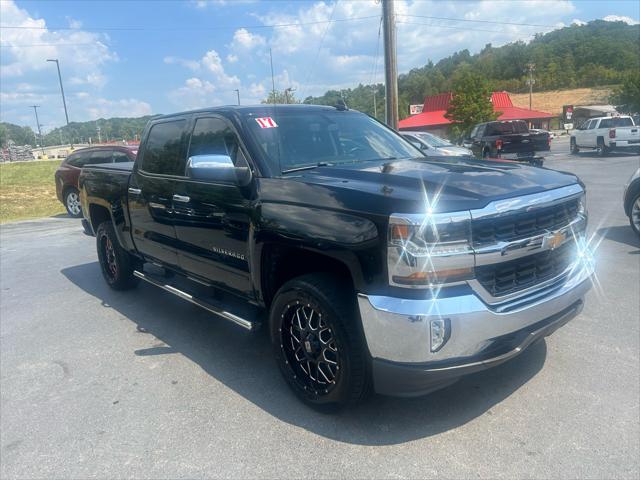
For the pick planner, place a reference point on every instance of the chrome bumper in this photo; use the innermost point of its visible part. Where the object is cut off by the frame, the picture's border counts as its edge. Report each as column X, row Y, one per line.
column 398, row 329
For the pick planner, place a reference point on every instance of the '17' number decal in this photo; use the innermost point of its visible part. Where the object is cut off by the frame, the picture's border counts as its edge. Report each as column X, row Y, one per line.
column 266, row 122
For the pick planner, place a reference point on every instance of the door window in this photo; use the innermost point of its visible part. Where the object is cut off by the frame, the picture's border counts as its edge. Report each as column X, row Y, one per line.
column 213, row 136
column 120, row 157
column 592, row 124
column 163, row 150
column 100, row 156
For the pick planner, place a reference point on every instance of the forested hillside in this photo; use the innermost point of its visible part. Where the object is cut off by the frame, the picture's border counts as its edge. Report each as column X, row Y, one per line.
column 78, row 132
column 596, row 54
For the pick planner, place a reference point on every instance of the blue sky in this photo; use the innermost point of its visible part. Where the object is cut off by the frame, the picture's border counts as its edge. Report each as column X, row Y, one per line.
column 122, row 58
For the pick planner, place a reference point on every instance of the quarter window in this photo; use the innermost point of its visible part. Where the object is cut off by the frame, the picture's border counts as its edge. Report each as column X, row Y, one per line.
column 100, row 156
column 163, row 150
column 120, row 157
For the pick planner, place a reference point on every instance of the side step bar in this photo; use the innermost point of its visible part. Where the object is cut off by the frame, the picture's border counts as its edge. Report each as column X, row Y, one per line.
column 244, row 323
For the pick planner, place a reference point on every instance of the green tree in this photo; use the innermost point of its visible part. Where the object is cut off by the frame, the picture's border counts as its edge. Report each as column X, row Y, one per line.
column 627, row 96
column 286, row 96
column 471, row 102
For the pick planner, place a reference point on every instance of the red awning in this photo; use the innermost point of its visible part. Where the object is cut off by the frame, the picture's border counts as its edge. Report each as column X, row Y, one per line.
column 425, row 119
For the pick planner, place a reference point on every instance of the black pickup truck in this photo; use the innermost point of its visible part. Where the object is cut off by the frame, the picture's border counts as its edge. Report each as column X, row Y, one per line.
column 508, row 139
column 375, row 268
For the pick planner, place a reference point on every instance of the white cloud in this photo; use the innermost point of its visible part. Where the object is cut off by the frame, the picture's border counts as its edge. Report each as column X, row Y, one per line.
column 231, row 58
column 621, row 18
column 190, row 64
column 578, row 22
column 195, row 93
column 213, row 63
column 105, row 108
column 245, row 40
column 27, row 49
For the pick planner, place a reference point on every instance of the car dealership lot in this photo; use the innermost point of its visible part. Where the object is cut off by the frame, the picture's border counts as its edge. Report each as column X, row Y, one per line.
column 141, row 384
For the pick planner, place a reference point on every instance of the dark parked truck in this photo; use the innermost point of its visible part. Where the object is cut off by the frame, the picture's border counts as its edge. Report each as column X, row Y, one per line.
column 509, row 139
column 375, row 268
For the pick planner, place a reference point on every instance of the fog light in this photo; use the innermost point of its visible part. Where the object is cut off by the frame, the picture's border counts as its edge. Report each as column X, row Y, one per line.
column 440, row 331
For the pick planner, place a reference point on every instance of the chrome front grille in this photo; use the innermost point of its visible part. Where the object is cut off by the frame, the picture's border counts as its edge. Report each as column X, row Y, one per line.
column 517, row 226
column 505, row 278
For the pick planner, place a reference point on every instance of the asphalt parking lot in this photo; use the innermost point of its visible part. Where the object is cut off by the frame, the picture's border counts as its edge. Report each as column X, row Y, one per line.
column 97, row 383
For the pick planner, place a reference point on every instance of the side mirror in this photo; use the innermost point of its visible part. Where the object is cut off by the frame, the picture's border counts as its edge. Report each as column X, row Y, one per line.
column 217, row 168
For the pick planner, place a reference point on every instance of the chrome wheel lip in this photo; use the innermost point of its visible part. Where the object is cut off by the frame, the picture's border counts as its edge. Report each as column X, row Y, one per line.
column 73, row 203
column 309, row 348
column 635, row 214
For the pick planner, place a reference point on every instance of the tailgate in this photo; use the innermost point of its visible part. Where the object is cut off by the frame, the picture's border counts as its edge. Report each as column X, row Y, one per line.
column 519, row 143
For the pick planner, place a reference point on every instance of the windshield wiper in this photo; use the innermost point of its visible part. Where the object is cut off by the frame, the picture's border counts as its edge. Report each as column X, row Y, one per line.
column 307, row 167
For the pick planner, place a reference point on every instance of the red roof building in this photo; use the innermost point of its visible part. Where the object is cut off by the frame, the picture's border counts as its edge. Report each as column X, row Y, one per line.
column 435, row 106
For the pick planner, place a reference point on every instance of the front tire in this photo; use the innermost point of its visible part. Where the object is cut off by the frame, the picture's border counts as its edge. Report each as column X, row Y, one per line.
column 601, row 149
column 72, row 203
column 573, row 146
column 317, row 343
column 634, row 214
column 116, row 263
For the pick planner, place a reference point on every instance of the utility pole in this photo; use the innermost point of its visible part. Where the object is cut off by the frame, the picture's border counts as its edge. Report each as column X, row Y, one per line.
column 98, row 130
column 273, row 81
column 375, row 107
column 390, row 64
column 64, row 101
column 238, row 94
column 287, row 92
column 530, row 81
column 35, row 109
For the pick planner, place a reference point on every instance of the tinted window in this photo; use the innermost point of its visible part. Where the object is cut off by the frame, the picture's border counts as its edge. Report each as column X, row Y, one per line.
column 592, row 124
column 212, row 136
column 473, row 132
column 163, row 150
column 119, row 157
column 520, row 127
column 79, row 159
column 605, row 123
column 499, row 128
column 100, row 156
column 622, row 122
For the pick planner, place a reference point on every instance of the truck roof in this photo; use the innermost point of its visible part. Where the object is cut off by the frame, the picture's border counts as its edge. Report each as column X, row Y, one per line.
column 248, row 109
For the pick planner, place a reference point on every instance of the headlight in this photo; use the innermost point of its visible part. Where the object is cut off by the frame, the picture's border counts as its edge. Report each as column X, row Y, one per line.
column 582, row 205
column 429, row 250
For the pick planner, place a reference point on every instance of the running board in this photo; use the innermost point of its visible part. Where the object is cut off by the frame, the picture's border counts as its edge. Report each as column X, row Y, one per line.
column 244, row 323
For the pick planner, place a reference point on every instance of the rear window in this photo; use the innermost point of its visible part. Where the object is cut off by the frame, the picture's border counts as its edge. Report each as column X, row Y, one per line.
column 163, row 152
column 622, row 122
column 500, row 128
column 120, row 157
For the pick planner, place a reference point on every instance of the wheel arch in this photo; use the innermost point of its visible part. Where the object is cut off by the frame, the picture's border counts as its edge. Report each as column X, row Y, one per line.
column 280, row 263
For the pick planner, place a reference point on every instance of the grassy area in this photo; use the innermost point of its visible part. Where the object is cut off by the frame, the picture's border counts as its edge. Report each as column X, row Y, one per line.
column 27, row 190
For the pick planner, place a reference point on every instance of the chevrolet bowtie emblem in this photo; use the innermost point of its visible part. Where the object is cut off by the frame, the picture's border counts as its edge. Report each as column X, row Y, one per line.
column 553, row 240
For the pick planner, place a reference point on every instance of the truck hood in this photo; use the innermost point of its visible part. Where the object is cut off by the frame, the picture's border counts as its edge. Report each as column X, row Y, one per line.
column 405, row 185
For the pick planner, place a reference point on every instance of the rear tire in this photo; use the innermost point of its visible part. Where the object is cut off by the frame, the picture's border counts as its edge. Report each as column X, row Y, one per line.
column 573, row 147
column 116, row 263
column 601, row 149
column 634, row 214
column 317, row 343
column 72, row 203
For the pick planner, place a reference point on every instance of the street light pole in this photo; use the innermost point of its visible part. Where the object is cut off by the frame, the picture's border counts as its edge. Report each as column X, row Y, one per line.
column 238, row 94
column 64, row 101
column 530, row 81
column 35, row 109
column 390, row 64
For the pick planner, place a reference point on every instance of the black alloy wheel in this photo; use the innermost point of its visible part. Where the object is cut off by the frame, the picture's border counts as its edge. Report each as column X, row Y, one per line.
column 317, row 342
column 117, row 264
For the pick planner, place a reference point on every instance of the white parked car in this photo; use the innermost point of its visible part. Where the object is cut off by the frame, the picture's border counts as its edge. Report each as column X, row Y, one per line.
column 433, row 146
column 605, row 134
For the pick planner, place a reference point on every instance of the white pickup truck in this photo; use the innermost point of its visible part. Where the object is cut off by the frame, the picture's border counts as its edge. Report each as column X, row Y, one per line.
column 606, row 134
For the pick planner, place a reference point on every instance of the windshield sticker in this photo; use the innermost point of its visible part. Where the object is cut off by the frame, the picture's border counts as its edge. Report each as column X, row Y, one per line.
column 266, row 122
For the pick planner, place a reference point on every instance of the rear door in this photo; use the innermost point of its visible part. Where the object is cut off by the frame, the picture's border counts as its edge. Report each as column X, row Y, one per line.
column 159, row 168
column 212, row 219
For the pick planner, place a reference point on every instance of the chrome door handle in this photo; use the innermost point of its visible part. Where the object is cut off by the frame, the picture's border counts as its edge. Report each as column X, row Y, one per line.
column 181, row 198
column 135, row 191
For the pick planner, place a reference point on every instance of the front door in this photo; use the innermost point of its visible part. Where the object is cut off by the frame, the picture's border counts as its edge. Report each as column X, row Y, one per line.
column 212, row 220
column 151, row 189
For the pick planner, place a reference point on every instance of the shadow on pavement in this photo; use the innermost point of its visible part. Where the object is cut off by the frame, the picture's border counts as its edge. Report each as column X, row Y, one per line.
column 243, row 362
column 621, row 234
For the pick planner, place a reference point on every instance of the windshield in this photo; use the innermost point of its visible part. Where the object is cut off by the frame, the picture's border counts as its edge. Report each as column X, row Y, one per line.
column 432, row 140
column 290, row 140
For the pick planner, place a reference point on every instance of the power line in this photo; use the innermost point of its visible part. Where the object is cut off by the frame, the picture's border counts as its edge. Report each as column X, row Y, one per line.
column 53, row 45
column 315, row 60
column 190, row 28
column 375, row 61
column 478, row 21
